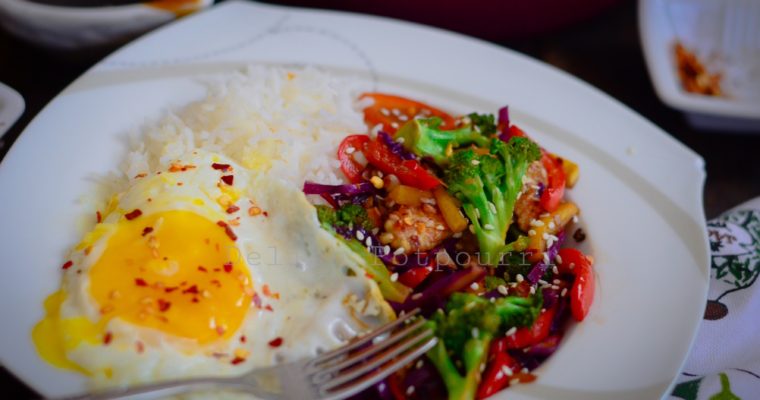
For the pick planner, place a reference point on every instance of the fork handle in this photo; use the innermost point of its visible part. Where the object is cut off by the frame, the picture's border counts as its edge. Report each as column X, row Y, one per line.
column 171, row 388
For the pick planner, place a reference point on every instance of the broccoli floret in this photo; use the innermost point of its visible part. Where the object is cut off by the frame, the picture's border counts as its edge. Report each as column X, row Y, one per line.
column 484, row 123
column 423, row 138
column 465, row 331
column 390, row 289
column 488, row 185
column 347, row 215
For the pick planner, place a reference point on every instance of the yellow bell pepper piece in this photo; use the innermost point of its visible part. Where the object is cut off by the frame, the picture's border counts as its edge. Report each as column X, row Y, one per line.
column 550, row 224
column 408, row 196
column 450, row 209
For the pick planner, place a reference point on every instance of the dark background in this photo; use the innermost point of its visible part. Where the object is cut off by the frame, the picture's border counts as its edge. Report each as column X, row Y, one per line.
column 603, row 50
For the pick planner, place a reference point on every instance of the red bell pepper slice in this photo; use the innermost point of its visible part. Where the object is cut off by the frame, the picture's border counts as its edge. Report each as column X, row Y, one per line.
column 531, row 335
column 494, row 377
column 413, row 277
column 350, row 167
column 584, row 284
column 555, row 189
column 409, row 172
column 393, row 111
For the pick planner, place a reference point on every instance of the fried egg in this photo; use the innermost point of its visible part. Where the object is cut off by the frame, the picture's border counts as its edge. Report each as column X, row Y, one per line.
column 204, row 268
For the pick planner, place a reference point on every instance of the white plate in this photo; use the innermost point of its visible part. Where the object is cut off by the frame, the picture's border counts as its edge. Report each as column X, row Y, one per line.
column 711, row 29
column 640, row 190
column 11, row 107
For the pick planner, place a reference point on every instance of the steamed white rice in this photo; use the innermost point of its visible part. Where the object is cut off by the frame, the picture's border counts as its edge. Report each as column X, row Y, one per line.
column 283, row 122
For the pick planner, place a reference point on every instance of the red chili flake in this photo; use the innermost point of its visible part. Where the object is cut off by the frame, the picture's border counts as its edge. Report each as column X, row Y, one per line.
column 256, row 300
column 163, row 305
column 67, row 265
column 194, row 300
column 183, row 283
column 268, row 307
column 107, row 338
column 133, row 214
column 228, row 267
column 180, row 168
column 276, row 342
column 222, row 167
column 220, row 330
column 202, row 268
column 98, row 217
column 147, row 230
column 243, row 339
column 141, row 175
column 170, row 289
column 217, row 269
column 180, row 183
column 266, row 214
column 192, row 289
column 140, row 282
column 227, row 230
column 216, row 283
column 233, row 209
column 237, row 360
column 140, row 347
column 265, row 290
column 228, row 179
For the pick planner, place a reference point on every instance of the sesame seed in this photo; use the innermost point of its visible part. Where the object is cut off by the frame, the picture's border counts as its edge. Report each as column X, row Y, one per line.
column 558, row 259
column 520, row 278
column 419, row 364
column 571, row 266
column 514, row 382
column 394, row 277
column 482, row 367
column 492, row 207
column 532, row 290
column 416, row 296
column 403, row 117
column 475, row 332
column 524, row 371
column 472, row 228
column 399, row 140
column 394, row 125
column 545, row 215
column 396, row 111
column 488, row 227
column 512, row 331
column 555, row 270
column 385, row 111
column 564, row 292
column 575, row 219
column 440, row 227
column 359, row 235
column 556, row 281
column 399, row 251
column 477, row 213
column 386, row 249
column 502, row 289
column 474, row 286
column 531, row 233
column 546, row 258
column 475, row 162
column 551, row 225
column 549, row 243
column 555, row 287
column 506, row 370
column 542, row 282
column 499, row 375
column 536, row 222
column 457, row 235
column 368, row 242
column 545, row 236
column 410, row 390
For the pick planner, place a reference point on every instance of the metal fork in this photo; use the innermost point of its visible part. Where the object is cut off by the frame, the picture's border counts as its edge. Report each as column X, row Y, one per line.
column 337, row 374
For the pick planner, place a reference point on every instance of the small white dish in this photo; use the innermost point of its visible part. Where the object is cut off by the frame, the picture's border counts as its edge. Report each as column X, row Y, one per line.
column 723, row 34
column 11, row 107
column 68, row 28
column 646, row 228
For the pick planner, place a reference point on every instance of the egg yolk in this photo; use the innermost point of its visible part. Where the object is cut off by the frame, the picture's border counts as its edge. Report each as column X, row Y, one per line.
column 176, row 272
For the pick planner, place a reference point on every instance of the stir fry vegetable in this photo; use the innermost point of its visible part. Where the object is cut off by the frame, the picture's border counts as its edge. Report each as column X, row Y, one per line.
column 466, row 220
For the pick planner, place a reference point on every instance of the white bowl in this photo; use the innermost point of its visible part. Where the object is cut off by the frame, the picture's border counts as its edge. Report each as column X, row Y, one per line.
column 723, row 31
column 70, row 28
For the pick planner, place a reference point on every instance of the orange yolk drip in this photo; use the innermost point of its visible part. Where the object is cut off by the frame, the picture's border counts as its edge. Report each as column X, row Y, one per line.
column 176, row 272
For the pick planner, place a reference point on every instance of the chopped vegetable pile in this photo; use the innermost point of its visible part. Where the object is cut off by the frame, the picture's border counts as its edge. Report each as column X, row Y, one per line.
column 465, row 219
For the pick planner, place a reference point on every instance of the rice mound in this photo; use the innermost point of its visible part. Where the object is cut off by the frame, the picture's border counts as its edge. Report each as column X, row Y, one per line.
column 283, row 122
